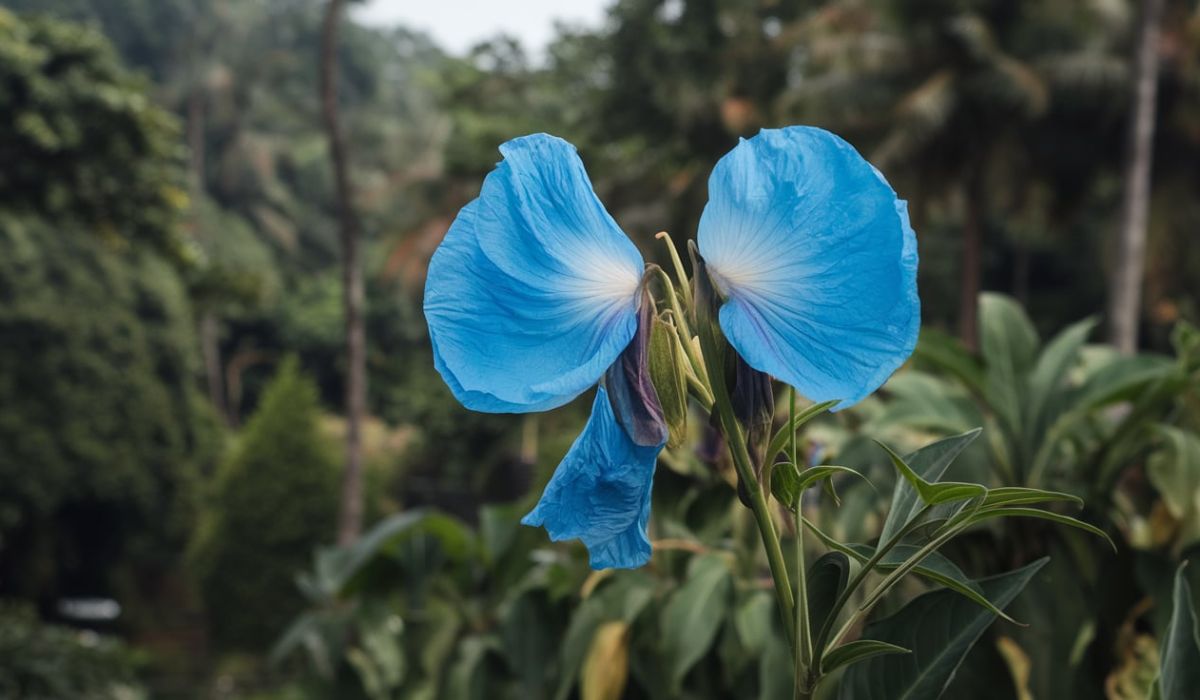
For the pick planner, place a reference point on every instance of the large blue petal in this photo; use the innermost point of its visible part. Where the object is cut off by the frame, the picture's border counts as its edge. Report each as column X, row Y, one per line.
column 600, row 493
column 818, row 261
column 534, row 291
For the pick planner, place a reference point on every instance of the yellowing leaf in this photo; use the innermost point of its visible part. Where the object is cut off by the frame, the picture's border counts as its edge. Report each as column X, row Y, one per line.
column 606, row 667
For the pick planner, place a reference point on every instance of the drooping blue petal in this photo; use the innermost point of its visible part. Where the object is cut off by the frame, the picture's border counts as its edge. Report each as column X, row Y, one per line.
column 818, row 262
column 600, row 493
column 534, row 291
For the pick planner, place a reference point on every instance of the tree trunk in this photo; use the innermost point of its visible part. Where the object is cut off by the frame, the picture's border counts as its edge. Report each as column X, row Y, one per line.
column 210, row 324
column 1126, row 287
column 210, row 346
column 971, row 273
column 351, row 512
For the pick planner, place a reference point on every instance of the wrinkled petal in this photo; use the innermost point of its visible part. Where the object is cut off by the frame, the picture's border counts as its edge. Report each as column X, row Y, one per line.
column 630, row 388
column 600, row 493
column 534, row 291
column 818, row 262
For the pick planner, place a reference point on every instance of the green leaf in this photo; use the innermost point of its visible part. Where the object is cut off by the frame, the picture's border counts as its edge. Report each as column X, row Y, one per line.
column 787, row 484
column 1049, row 374
column 693, row 616
column 940, row 628
column 621, row 599
column 946, row 353
column 525, row 631
column 1179, row 671
column 934, row 493
column 1017, row 495
column 858, row 650
column 669, row 380
column 1005, row 512
column 930, row 462
column 934, row 567
column 1175, row 472
column 753, row 621
column 780, row 440
column 1009, row 345
column 827, row 579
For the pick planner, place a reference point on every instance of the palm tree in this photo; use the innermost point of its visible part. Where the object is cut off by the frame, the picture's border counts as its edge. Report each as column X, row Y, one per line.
column 952, row 97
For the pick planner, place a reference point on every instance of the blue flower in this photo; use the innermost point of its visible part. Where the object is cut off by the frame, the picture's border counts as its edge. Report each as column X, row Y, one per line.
column 817, row 260
column 535, row 289
column 536, row 295
column 532, row 297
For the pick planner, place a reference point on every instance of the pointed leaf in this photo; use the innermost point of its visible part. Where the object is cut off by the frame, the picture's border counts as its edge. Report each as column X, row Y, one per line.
column 940, row 628
column 934, row 567
column 930, row 462
column 1050, row 372
column 1003, row 512
column 693, row 616
column 858, row 650
column 827, row 579
column 1009, row 345
column 934, row 493
column 787, row 484
column 1179, row 674
column 1016, row 495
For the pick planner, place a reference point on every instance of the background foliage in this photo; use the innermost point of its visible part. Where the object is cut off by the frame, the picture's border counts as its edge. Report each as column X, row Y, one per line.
column 167, row 239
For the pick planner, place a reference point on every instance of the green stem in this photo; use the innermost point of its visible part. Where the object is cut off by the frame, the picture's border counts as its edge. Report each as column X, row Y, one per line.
column 762, row 513
column 758, row 501
column 892, row 579
column 804, row 657
column 880, row 552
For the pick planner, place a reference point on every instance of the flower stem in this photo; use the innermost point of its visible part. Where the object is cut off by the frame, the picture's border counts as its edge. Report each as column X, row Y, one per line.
column 758, row 501
column 804, row 656
column 762, row 513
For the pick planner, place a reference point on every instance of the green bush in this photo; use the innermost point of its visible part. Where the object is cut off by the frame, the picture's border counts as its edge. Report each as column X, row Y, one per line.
column 45, row 662
column 102, row 427
column 273, row 500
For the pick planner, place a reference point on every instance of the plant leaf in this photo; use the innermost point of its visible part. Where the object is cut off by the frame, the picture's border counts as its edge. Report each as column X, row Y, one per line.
column 1049, row 373
column 1005, row 512
column 787, row 483
column 858, row 650
column 934, row 493
column 827, row 579
column 930, row 462
column 693, row 616
column 1179, row 671
column 1017, row 495
column 937, row 568
column 621, row 599
column 1009, row 345
column 940, row 628
column 606, row 667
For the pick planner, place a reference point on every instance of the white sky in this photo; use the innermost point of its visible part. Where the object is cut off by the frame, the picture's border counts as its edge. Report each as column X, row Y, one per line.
column 459, row 24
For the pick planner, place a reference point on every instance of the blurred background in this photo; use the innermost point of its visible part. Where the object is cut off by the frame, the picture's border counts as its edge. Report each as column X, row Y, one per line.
column 215, row 221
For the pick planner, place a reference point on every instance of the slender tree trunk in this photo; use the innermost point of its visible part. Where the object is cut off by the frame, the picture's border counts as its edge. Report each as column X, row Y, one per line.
column 971, row 272
column 351, row 512
column 210, row 323
column 1126, row 288
column 210, row 346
